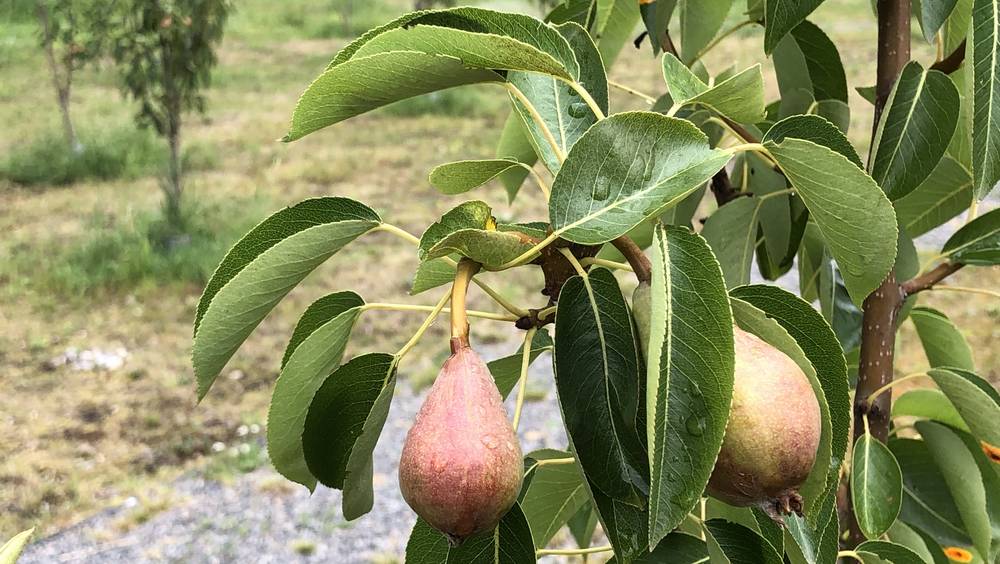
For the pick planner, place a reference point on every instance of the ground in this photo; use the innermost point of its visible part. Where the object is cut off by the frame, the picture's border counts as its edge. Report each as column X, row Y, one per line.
column 79, row 441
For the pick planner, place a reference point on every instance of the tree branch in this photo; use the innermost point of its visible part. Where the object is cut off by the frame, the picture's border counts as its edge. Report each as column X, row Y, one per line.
column 951, row 63
column 929, row 279
column 636, row 258
column 722, row 188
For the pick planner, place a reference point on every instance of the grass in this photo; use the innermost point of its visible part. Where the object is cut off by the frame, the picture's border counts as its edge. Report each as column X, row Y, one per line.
column 84, row 266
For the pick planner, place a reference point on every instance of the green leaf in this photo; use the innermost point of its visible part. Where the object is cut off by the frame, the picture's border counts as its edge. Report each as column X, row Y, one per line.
column 901, row 533
column 474, row 214
column 856, row 219
column 689, row 374
column 735, row 544
column 343, row 425
column 555, row 494
column 732, row 233
column 626, row 168
column 561, row 108
column 597, row 376
column 625, row 525
column 431, row 274
column 507, row 370
column 879, row 552
column 961, row 474
column 946, row 193
column 509, row 543
column 753, row 320
column 956, row 27
column 583, row 524
column 514, row 144
column 11, row 550
column 423, row 52
column 928, row 403
column 807, row 60
column 876, row 486
column 740, row 98
column 316, row 315
column 817, row 129
column 262, row 267
column 977, row 242
column 656, row 16
column 933, row 14
column 943, row 342
column 618, row 30
column 488, row 247
column 782, row 16
column 307, row 368
column 820, row 345
column 915, row 129
column 984, row 52
column 676, row 548
column 700, row 21
column 462, row 176
column 927, row 505
column 752, row 518
column 812, row 260
column 975, row 399
column 837, row 307
column 814, row 543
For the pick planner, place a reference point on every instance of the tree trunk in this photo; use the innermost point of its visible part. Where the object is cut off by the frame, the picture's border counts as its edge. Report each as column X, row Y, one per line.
column 881, row 308
column 173, row 187
column 60, row 80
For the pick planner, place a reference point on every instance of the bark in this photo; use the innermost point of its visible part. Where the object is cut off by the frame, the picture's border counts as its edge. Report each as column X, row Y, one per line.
column 881, row 308
column 62, row 77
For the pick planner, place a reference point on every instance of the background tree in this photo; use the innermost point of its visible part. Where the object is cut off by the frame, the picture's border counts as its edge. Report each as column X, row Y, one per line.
column 71, row 33
column 166, row 51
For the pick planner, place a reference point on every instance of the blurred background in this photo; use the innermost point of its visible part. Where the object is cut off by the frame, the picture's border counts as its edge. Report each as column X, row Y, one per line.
column 125, row 177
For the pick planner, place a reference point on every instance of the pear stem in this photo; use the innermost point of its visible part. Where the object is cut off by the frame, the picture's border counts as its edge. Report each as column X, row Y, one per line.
column 555, row 461
column 459, row 318
column 529, row 336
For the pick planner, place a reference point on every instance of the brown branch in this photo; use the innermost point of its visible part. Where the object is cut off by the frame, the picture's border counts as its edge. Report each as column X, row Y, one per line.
column 881, row 307
column 723, row 189
column 635, row 257
column 929, row 279
column 951, row 63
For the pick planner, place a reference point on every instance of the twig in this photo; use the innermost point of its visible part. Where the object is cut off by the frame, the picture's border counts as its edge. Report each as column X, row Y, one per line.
column 928, row 280
column 951, row 63
column 636, row 258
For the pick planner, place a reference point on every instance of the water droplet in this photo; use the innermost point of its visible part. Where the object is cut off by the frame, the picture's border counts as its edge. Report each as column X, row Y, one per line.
column 695, row 425
column 578, row 110
column 490, row 442
column 602, row 189
column 647, row 172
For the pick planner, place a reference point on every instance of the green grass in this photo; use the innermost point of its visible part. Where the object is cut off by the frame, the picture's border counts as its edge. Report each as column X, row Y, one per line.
column 122, row 253
column 121, row 152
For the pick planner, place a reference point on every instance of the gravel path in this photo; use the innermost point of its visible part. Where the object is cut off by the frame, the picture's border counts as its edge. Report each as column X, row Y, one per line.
column 250, row 521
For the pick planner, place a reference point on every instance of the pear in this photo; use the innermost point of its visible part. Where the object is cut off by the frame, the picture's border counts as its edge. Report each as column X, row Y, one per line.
column 642, row 303
column 773, row 431
column 461, row 467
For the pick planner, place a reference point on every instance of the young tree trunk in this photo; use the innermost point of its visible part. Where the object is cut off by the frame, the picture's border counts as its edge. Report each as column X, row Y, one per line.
column 881, row 308
column 62, row 77
column 173, row 187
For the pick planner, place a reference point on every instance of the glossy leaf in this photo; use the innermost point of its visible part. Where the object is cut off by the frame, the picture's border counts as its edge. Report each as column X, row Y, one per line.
column 699, row 22
column 507, row 370
column 689, row 374
column 884, row 552
column 735, row 544
column 943, row 342
column 262, row 268
column 11, row 550
column 422, row 52
column 462, row 176
column 509, row 543
column 597, row 376
column 927, row 505
column 782, row 16
column 961, row 474
column 474, row 214
column 837, row 307
column 626, row 168
column 820, row 345
column 740, row 97
column 625, row 525
column 431, row 274
column 316, row 315
column 946, row 193
column 807, row 60
column 514, row 144
column 555, row 494
column 489, row 247
column 856, row 219
column 676, row 548
column 901, row 533
column 561, row 108
column 343, row 425
column 933, row 14
column 956, row 28
column 817, row 129
column 583, row 524
column 814, row 542
column 732, row 233
column 928, row 403
column 618, row 30
column 977, row 242
column 876, row 486
column 984, row 53
column 975, row 399
column 916, row 126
